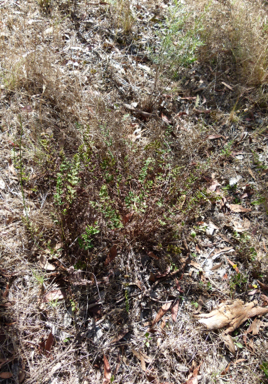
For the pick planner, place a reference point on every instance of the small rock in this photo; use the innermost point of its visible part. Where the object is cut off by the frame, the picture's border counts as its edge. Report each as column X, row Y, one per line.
column 234, row 180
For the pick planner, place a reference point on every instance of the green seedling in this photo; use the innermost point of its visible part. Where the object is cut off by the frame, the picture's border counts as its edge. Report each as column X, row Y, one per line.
column 39, row 278
column 86, row 240
column 54, row 303
column 227, row 150
column 147, row 339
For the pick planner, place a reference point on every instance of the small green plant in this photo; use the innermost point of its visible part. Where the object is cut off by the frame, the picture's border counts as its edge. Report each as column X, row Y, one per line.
column 67, row 179
column 85, row 241
column 173, row 267
column 106, row 206
column 238, row 344
column 127, row 300
column 147, row 339
column 228, row 187
column 80, row 265
column 260, row 201
column 173, row 249
column 195, row 304
column 180, row 39
column 53, row 303
column 264, row 367
column 227, row 150
column 39, row 278
column 74, row 307
column 257, row 162
column 237, row 281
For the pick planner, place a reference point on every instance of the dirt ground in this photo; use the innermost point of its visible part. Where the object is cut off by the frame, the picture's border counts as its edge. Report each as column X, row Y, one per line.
column 133, row 198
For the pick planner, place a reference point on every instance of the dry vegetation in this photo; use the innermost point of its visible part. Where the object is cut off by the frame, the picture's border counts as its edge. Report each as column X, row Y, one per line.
column 133, row 190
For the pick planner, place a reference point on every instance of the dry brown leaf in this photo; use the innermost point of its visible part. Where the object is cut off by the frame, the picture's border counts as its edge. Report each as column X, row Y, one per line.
column 239, row 361
column 263, row 286
column 226, row 369
column 238, row 208
column 250, row 344
column 178, row 287
column 163, row 310
column 193, row 379
column 127, row 217
column 164, row 274
column 21, row 377
column 213, row 186
column 254, row 327
column 5, row 293
column 231, row 315
column 53, row 295
column 107, row 371
column 251, row 174
column 119, row 336
column 12, row 169
column 143, row 358
column 174, row 311
column 165, row 119
column 241, row 226
column 152, row 255
column 264, row 299
column 45, row 264
column 152, row 278
column 253, row 292
column 5, row 375
column 151, row 376
column 196, row 265
column 199, row 111
column 225, row 238
column 214, row 137
column 49, row 342
column 217, row 266
column 228, row 341
column 111, row 256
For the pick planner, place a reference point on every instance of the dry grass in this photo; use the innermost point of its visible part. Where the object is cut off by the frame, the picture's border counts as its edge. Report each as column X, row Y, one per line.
column 235, row 34
column 230, row 36
column 123, row 15
column 75, row 160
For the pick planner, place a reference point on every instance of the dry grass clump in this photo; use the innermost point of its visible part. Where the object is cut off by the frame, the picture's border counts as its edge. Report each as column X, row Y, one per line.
column 123, row 15
column 235, row 34
column 230, row 36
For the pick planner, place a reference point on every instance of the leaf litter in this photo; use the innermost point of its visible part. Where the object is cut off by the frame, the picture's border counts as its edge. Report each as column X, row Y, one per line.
column 107, row 314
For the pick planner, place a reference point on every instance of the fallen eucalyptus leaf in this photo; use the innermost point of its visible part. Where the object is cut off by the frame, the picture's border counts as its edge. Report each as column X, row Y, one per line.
column 231, row 315
column 161, row 313
column 228, row 341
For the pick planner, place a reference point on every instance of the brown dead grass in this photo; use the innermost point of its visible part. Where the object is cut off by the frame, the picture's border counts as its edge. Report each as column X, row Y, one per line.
column 235, row 35
column 52, row 112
